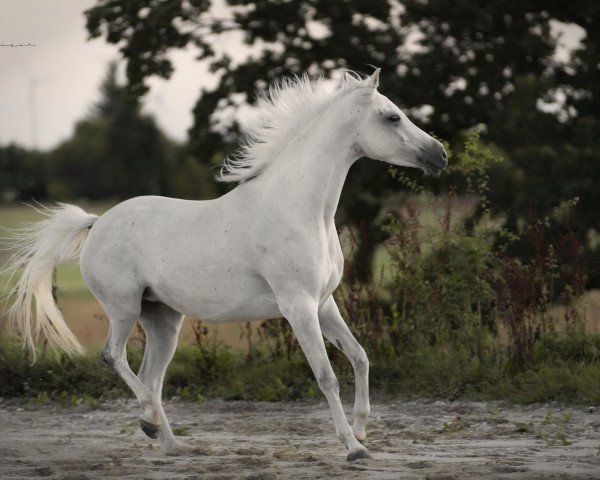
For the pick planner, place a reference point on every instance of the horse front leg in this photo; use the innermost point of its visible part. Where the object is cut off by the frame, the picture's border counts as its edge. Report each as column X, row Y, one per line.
column 114, row 355
column 303, row 318
column 337, row 332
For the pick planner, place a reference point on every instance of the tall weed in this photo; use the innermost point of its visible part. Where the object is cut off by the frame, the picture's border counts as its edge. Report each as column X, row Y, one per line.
column 454, row 287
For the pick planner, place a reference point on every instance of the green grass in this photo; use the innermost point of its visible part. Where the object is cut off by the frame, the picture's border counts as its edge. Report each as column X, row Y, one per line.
column 70, row 283
column 197, row 373
column 69, row 279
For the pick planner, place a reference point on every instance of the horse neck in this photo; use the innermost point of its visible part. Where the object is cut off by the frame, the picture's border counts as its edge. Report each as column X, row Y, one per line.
column 311, row 170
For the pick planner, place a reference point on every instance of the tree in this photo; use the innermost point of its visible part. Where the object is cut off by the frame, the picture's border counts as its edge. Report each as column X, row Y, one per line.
column 471, row 54
column 116, row 152
column 24, row 174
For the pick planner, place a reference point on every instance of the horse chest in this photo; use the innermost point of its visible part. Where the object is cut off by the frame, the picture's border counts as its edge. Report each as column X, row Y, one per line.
column 334, row 266
column 306, row 262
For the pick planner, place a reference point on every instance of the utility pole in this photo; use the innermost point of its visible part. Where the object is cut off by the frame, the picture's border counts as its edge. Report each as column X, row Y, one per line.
column 33, row 83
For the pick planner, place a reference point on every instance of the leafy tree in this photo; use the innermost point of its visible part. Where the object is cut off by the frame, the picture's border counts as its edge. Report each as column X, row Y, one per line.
column 116, row 152
column 76, row 164
column 147, row 29
column 23, row 174
column 470, row 56
column 579, row 80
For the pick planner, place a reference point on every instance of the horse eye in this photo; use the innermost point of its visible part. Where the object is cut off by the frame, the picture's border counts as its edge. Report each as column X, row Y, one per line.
column 394, row 118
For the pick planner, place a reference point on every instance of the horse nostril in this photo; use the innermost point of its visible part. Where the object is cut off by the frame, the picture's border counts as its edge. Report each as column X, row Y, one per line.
column 444, row 157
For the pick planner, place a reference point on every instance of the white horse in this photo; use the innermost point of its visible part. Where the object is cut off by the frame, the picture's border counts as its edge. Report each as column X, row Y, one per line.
column 268, row 248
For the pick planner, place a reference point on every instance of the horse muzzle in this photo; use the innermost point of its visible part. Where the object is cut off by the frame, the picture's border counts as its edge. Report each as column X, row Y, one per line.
column 436, row 162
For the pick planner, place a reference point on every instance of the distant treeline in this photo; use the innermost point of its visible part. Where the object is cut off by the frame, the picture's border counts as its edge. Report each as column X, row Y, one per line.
column 116, row 152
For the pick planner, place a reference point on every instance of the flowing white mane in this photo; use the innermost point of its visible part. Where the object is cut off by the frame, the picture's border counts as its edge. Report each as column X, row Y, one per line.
column 289, row 105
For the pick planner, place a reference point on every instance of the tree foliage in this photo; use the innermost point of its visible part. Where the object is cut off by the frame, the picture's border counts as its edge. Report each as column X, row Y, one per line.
column 116, row 152
column 24, row 174
column 146, row 30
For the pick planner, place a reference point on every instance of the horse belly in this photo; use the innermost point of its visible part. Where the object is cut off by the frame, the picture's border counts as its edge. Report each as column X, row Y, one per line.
column 216, row 299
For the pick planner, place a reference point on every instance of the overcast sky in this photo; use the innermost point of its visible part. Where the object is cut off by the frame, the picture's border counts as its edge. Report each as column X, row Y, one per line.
column 46, row 88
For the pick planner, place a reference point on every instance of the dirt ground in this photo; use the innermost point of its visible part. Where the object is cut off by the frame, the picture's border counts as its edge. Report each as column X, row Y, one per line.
column 253, row 440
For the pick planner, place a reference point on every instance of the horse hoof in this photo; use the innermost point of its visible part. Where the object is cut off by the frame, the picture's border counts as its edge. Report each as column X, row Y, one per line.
column 177, row 449
column 358, row 454
column 149, row 428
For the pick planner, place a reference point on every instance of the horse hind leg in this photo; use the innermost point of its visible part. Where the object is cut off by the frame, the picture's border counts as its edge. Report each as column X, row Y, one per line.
column 122, row 322
column 162, row 325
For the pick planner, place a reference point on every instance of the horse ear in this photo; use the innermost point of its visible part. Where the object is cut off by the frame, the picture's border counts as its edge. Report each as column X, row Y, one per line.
column 345, row 78
column 374, row 80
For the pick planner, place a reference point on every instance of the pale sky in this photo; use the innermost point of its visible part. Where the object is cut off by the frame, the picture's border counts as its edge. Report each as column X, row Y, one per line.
column 46, row 88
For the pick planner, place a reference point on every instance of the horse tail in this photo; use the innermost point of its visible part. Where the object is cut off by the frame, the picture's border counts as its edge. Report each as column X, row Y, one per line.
column 38, row 248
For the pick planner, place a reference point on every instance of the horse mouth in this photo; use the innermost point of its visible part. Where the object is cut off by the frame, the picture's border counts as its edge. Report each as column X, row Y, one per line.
column 431, row 167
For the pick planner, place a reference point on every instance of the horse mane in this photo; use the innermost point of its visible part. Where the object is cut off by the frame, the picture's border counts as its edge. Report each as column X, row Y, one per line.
column 289, row 105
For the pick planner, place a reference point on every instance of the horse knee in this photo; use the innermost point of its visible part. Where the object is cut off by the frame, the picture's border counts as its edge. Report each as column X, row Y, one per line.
column 361, row 360
column 328, row 383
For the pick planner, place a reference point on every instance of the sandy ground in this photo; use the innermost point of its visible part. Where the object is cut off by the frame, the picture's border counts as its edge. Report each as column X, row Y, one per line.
column 252, row 440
